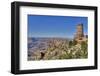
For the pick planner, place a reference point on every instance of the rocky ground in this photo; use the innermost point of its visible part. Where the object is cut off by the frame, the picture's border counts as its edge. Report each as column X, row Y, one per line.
column 56, row 48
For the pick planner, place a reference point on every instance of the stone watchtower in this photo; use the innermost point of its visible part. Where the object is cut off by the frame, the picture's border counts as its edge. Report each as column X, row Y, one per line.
column 79, row 33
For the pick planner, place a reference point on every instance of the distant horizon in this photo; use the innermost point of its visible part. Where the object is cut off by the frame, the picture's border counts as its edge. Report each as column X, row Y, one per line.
column 55, row 26
column 51, row 37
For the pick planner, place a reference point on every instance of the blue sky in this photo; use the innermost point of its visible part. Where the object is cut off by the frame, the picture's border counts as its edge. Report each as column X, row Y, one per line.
column 55, row 26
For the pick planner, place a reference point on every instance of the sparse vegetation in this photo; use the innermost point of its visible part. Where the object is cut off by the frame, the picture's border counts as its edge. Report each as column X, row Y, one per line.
column 61, row 49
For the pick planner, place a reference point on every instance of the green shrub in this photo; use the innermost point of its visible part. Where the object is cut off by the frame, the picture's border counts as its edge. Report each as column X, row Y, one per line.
column 84, row 47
